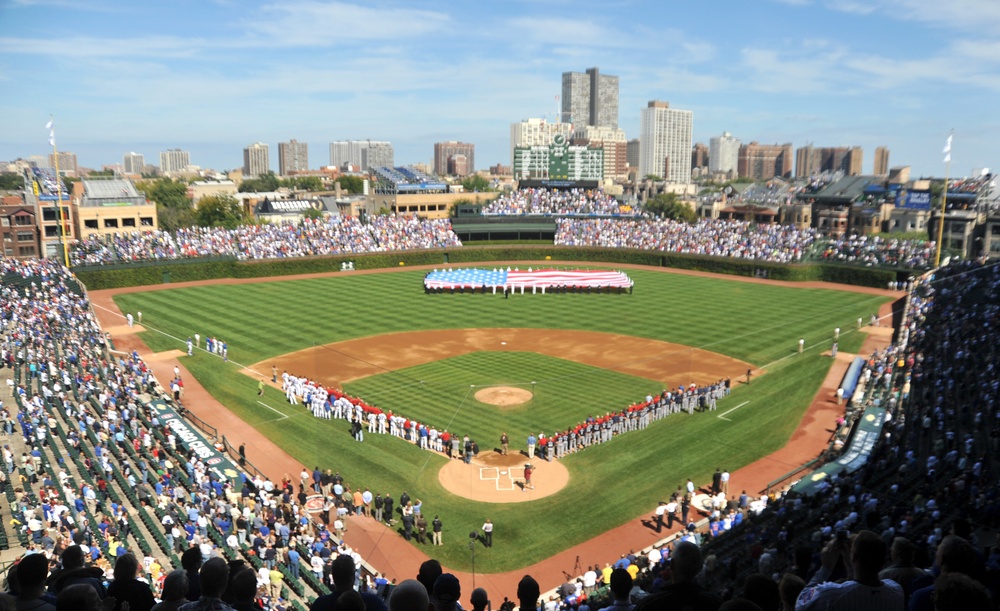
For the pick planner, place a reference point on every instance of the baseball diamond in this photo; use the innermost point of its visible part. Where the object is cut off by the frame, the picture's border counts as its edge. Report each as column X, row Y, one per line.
column 348, row 327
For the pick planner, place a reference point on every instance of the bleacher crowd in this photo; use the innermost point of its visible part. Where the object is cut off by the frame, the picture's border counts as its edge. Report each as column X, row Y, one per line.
column 878, row 251
column 720, row 238
column 334, row 236
column 556, row 202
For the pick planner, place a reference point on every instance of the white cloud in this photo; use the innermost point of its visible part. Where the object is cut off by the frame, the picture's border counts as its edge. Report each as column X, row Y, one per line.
column 852, row 6
column 307, row 23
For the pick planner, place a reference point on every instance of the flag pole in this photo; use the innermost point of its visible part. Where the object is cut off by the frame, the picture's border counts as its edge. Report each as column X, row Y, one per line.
column 944, row 201
column 62, row 223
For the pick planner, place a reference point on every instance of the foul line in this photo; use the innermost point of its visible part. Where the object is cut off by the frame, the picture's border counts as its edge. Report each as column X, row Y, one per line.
column 283, row 414
column 723, row 415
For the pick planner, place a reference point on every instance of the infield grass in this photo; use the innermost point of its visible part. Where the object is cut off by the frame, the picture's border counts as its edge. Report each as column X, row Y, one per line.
column 442, row 393
column 610, row 484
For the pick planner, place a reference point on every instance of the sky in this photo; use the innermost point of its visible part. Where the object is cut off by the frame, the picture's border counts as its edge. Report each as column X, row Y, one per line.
column 213, row 76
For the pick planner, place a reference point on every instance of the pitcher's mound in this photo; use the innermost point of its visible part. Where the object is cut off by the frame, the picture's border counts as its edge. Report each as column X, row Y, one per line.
column 503, row 396
column 493, row 478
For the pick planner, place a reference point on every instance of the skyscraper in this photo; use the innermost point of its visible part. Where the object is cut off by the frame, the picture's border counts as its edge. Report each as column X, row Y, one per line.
column 723, row 153
column 255, row 160
column 699, row 156
column 665, row 142
column 357, row 154
column 377, row 153
column 810, row 160
column 67, row 163
column 134, row 163
column 881, row 161
column 174, row 160
column 292, row 157
column 590, row 98
column 765, row 161
column 444, row 150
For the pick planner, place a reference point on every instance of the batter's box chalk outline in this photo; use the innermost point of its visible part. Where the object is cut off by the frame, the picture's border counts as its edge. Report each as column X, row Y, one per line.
column 503, row 480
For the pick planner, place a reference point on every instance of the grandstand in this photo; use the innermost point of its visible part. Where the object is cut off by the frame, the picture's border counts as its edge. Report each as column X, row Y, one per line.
column 406, row 179
column 921, row 431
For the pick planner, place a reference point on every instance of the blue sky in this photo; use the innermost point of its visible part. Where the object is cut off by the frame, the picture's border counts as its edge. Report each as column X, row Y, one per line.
column 212, row 77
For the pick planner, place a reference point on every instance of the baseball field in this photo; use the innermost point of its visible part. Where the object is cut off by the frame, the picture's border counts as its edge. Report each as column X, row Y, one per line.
column 561, row 358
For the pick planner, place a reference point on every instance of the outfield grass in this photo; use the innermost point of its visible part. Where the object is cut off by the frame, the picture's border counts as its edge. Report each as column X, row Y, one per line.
column 441, row 393
column 610, row 484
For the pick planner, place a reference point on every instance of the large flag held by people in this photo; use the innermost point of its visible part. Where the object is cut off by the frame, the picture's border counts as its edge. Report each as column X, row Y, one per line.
column 474, row 278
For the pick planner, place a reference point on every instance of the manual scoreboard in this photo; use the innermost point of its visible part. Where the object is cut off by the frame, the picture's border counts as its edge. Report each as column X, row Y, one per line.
column 558, row 161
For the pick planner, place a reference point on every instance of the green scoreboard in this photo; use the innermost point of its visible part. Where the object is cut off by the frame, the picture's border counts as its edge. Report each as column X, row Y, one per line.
column 558, row 161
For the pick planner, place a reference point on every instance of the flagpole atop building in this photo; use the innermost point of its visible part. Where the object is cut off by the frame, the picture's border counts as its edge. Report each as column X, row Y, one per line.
column 944, row 198
column 62, row 222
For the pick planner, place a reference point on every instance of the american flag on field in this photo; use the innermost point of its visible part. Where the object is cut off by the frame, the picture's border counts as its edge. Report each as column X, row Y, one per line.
column 538, row 278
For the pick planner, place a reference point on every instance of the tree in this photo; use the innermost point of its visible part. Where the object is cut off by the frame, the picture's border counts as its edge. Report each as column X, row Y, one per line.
column 313, row 214
column 306, row 183
column 265, row 183
column 11, row 181
column 172, row 219
column 219, row 211
column 352, row 184
column 653, row 178
column 166, row 192
column 476, row 183
column 669, row 206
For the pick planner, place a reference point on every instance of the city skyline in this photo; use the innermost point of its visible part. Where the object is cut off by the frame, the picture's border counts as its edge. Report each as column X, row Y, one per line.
column 149, row 78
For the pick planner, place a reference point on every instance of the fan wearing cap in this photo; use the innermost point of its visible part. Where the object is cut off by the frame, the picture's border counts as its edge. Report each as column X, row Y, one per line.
column 447, row 591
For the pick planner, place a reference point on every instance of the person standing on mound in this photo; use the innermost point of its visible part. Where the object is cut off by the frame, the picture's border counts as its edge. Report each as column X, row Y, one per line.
column 528, row 470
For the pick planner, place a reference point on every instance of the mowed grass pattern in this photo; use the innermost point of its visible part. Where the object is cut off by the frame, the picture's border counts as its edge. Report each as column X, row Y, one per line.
column 442, row 393
column 752, row 322
column 610, row 484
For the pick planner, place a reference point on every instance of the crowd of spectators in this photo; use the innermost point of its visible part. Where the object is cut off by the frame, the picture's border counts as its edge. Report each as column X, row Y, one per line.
column 558, row 202
column 720, row 238
column 924, row 511
column 97, row 462
column 876, row 250
column 333, row 236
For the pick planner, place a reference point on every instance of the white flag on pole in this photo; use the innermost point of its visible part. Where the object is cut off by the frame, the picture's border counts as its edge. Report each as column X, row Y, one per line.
column 49, row 124
column 947, row 158
column 947, row 145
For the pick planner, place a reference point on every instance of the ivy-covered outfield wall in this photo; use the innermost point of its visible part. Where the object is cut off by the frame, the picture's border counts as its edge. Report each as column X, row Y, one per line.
column 185, row 270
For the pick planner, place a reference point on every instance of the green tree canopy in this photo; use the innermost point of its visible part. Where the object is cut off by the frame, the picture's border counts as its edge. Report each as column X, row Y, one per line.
column 476, row 183
column 352, row 184
column 265, row 183
column 669, row 206
column 219, row 211
column 306, row 183
column 312, row 213
column 166, row 192
column 10, row 181
column 172, row 219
